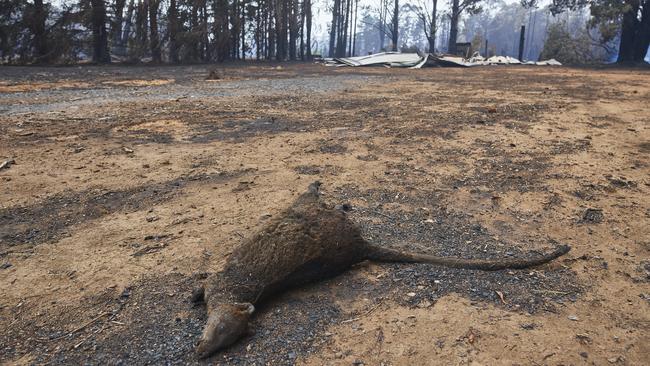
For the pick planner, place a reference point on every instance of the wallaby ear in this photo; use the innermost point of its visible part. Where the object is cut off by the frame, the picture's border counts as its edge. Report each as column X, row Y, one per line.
column 245, row 307
column 314, row 188
column 198, row 295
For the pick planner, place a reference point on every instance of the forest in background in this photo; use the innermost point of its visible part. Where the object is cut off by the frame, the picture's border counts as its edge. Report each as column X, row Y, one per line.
column 193, row 31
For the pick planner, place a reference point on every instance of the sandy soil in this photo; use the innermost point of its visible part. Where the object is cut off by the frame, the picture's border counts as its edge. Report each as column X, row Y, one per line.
column 128, row 184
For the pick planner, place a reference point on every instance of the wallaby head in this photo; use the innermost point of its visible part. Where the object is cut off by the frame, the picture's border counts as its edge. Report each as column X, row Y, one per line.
column 226, row 324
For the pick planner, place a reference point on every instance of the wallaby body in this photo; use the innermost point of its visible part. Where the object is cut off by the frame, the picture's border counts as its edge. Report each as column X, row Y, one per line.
column 306, row 243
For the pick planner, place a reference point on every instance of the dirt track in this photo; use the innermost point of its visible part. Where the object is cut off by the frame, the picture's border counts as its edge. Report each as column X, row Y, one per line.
column 130, row 183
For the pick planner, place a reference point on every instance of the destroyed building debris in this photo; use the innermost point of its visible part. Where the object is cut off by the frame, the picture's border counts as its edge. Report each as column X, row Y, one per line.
column 416, row 61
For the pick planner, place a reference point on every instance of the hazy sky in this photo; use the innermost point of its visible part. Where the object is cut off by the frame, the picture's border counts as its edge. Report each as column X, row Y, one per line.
column 322, row 16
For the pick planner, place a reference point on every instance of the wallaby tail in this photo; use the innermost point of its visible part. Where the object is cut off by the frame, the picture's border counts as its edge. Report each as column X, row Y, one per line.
column 391, row 255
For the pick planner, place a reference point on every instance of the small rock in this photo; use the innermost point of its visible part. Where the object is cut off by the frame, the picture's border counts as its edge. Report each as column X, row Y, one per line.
column 613, row 359
column 584, row 354
column 291, row 355
column 346, row 207
column 424, row 304
column 583, row 338
column 5, row 265
column 127, row 150
column 528, row 326
column 338, row 355
column 7, row 163
column 573, row 317
column 411, row 294
column 593, row 216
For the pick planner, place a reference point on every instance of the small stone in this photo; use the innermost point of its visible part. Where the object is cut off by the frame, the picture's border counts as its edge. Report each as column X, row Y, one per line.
column 424, row 304
column 338, row 355
column 411, row 294
column 346, row 207
column 593, row 216
column 5, row 265
column 584, row 354
column 528, row 326
column 573, row 317
column 291, row 355
column 7, row 163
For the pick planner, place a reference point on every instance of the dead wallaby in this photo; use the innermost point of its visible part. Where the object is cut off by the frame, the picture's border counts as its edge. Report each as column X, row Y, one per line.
column 306, row 243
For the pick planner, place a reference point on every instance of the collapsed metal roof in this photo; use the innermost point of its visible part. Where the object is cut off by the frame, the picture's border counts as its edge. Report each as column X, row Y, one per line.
column 416, row 61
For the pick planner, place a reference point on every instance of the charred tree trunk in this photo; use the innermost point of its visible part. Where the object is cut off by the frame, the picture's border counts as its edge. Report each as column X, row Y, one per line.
column 453, row 26
column 156, row 55
column 343, row 40
column 234, row 22
column 302, row 31
column 141, row 21
column 642, row 39
column 37, row 28
column 205, row 39
column 383, row 10
column 271, row 30
column 127, row 24
column 293, row 28
column 308, row 18
column 116, row 28
column 259, row 47
column 334, row 26
column 220, row 29
column 243, row 30
column 340, row 31
column 396, row 24
column 354, row 31
column 433, row 27
column 281, row 22
column 100, row 35
column 172, row 20
column 628, row 30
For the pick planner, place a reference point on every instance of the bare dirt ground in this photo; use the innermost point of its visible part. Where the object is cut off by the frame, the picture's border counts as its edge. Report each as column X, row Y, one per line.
column 130, row 183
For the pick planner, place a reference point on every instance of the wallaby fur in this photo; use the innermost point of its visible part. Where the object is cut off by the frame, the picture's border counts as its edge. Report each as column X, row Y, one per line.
column 306, row 243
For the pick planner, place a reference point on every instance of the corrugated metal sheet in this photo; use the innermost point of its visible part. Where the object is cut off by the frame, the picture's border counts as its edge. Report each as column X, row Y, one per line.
column 416, row 61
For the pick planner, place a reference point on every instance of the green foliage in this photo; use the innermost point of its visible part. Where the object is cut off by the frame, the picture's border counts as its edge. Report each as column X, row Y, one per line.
column 558, row 6
column 11, row 28
column 606, row 16
column 569, row 49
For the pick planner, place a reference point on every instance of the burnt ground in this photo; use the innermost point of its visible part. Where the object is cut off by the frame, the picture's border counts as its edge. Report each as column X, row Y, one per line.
column 130, row 183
